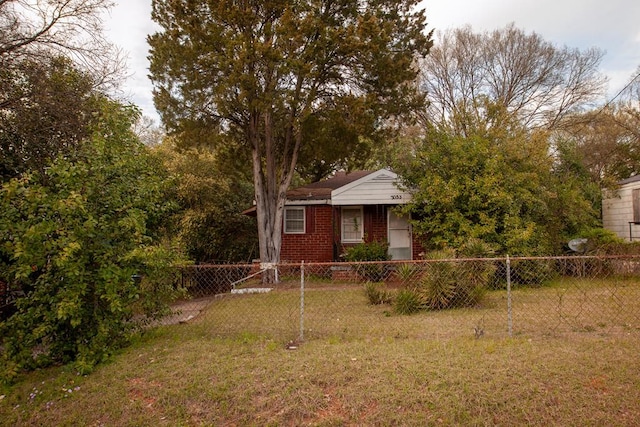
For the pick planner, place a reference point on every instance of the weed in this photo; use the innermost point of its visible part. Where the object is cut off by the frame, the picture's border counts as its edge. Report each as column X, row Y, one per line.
column 377, row 294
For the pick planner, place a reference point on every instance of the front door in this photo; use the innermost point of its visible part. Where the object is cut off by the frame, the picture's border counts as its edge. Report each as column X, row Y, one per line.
column 399, row 236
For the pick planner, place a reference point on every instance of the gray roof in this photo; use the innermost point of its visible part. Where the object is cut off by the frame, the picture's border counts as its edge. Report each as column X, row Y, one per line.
column 635, row 178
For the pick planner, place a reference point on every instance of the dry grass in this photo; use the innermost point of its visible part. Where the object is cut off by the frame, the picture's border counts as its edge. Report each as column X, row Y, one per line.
column 359, row 365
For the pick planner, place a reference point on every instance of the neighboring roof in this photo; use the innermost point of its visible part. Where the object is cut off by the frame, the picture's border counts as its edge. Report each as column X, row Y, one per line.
column 635, row 178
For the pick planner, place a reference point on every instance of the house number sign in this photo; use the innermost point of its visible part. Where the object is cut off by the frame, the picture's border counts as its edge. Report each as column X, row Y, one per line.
column 396, row 197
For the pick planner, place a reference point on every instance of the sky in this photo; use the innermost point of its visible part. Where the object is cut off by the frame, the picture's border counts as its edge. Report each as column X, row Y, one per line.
column 610, row 25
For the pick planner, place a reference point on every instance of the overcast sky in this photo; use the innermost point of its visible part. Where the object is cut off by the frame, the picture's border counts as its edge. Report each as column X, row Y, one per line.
column 611, row 25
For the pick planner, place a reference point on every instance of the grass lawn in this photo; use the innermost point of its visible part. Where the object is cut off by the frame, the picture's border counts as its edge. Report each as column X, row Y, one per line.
column 359, row 365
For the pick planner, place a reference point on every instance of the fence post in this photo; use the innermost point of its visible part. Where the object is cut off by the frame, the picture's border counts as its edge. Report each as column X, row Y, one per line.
column 302, row 301
column 509, row 311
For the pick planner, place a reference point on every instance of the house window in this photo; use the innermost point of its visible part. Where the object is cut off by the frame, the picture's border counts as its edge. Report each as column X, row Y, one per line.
column 352, row 230
column 294, row 220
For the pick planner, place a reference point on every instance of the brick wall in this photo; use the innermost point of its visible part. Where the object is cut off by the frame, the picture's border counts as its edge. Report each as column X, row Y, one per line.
column 375, row 225
column 323, row 228
column 316, row 245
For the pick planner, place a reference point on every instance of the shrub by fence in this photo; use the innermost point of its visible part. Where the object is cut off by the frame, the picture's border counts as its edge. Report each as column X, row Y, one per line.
column 498, row 297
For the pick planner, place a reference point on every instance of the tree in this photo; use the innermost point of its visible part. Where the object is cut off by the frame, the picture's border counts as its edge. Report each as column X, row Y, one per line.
column 46, row 109
column 40, row 29
column 54, row 60
column 260, row 72
column 212, row 190
column 606, row 142
column 73, row 246
column 496, row 184
column 533, row 79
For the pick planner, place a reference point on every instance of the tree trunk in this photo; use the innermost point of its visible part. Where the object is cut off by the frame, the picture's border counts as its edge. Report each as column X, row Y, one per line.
column 271, row 182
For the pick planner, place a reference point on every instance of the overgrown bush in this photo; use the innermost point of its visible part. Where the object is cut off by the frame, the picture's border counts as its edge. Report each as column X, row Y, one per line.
column 74, row 246
column 364, row 252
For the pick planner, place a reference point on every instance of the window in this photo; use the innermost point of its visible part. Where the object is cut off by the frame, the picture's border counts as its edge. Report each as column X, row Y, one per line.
column 352, row 225
column 294, row 220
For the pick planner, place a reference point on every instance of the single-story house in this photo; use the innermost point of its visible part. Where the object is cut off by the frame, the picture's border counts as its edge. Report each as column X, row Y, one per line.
column 621, row 209
column 323, row 218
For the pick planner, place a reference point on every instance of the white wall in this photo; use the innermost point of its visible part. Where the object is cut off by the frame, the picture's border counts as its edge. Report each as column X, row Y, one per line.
column 379, row 188
column 617, row 211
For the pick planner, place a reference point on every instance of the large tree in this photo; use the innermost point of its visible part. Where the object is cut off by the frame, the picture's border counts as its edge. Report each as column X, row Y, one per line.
column 259, row 72
column 538, row 82
column 213, row 188
column 54, row 61
column 605, row 143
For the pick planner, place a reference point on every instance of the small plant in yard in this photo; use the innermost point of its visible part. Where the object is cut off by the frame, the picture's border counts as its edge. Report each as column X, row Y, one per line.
column 438, row 286
column 405, row 272
column 450, row 284
column 407, row 302
column 377, row 294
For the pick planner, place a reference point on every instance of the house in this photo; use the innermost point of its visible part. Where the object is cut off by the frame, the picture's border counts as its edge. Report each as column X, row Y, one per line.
column 322, row 219
column 621, row 209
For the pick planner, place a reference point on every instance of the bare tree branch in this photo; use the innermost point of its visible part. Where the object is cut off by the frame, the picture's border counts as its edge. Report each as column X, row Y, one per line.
column 533, row 79
column 34, row 29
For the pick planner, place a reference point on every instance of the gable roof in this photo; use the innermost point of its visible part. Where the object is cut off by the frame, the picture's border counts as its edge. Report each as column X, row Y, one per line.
column 354, row 188
column 376, row 188
column 348, row 188
column 322, row 190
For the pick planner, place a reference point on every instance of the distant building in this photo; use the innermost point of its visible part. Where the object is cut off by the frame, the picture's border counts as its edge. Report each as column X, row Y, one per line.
column 621, row 209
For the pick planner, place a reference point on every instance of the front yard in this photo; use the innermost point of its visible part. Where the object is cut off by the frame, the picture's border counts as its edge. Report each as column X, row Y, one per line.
column 361, row 365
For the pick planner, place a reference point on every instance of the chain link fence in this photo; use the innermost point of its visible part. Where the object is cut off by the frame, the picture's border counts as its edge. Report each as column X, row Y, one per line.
column 446, row 298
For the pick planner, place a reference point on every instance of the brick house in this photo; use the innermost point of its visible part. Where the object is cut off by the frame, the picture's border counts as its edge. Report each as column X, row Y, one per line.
column 323, row 218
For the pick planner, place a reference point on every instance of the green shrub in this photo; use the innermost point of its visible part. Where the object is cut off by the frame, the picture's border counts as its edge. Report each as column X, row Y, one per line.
column 376, row 294
column 74, row 246
column 532, row 272
column 368, row 251
column 448, row 283
column 406, row 272
column 364, row 252
column 438, row 285
column 407, row 302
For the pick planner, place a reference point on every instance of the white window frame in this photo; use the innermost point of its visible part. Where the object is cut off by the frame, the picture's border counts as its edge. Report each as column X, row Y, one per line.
column 287, row 220
column 359, row 224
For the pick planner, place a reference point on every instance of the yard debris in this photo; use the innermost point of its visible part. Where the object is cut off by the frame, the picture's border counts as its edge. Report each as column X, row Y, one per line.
column 251, row 290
